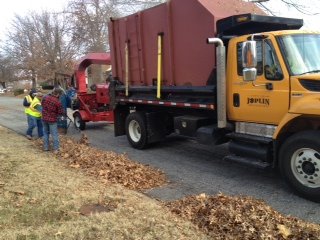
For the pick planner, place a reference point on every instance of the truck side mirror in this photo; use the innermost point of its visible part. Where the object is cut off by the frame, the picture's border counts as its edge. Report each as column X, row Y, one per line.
column 249, row 60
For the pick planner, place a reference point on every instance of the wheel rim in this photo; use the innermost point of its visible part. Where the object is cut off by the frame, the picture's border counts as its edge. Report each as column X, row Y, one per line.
column 77, row 121
column 305, row 163
column 134, row 131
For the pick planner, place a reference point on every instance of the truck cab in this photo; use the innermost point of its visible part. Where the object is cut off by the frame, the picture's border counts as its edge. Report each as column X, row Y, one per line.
column 287, row 72
column 276, row 113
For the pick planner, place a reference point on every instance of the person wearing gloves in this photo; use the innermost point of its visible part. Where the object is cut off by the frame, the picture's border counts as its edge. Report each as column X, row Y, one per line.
column 34, row 116
column 51, row 110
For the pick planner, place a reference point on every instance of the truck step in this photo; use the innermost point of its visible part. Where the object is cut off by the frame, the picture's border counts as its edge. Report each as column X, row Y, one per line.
column 211, row 135
column 252, row 162
column 249, row 138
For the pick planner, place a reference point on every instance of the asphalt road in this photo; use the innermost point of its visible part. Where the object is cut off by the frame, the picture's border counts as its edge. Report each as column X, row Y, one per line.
column 190, row 167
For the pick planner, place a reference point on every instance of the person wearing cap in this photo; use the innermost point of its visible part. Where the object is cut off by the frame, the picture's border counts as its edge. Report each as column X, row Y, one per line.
column 51, row 110
column 28, row 99
column 34, row 116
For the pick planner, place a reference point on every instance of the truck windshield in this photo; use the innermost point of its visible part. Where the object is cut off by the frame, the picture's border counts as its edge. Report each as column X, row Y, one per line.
column 302, row 52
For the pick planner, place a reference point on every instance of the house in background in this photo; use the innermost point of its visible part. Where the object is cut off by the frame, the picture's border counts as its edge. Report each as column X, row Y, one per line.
column 22, row 84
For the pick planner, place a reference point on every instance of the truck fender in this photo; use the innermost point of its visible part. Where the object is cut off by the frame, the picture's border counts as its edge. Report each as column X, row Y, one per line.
column 285, row 120
column 306, row 105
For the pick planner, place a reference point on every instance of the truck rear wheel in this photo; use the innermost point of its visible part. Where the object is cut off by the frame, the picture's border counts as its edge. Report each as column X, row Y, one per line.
column 136, row 130
column 300, row 163
column 78, row 122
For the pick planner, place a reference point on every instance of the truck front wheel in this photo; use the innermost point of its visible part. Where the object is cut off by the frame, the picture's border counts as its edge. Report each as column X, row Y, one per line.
column 136, row 130
column 299, row 159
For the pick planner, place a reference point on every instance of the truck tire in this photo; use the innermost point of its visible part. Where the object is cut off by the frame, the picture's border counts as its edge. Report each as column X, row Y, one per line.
column 78, row 122
column 299, row 162
column 136, row 130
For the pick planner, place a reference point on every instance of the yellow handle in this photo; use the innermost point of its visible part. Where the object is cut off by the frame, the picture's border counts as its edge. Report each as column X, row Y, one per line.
column 159, row 75
column 127, row 68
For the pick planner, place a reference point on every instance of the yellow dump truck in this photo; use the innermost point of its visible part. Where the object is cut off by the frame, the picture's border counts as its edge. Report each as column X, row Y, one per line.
column 197, row 69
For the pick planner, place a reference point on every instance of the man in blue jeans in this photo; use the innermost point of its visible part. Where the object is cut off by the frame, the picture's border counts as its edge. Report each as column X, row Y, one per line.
column 34, row 116
column 51, row 110
column 26, row 103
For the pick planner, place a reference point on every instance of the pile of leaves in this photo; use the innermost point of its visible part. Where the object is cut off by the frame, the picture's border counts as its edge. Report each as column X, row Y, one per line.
column 220, row 216
column 226, row 217
column 109, row 166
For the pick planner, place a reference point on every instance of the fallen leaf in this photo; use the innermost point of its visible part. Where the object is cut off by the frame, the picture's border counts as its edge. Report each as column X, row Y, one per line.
column 18, row 192
column 284, row 231
column 74, row 165
column 58, row 234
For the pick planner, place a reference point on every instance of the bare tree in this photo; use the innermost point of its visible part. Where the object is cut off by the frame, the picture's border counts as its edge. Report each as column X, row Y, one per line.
column 22, row 46
column 298, row 5
column 89, row 27
column 6, row 70
column 40, row 45
column 130, row 6
column 57, row 48
column 89, row 19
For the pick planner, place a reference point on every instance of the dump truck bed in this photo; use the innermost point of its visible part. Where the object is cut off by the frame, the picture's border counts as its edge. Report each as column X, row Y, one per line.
column 184, row 26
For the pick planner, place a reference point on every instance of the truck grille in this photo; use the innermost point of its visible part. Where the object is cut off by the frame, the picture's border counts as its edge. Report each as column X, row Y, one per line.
column 311, row 85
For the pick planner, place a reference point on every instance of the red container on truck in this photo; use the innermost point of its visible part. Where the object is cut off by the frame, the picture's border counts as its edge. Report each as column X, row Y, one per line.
column 184, row 26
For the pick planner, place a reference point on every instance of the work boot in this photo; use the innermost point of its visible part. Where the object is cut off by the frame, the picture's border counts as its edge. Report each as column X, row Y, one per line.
column 29, row 137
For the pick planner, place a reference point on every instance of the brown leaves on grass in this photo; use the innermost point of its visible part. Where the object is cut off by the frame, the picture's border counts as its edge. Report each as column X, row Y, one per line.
column 225, row 217
column 109, row 166
column 221, row 217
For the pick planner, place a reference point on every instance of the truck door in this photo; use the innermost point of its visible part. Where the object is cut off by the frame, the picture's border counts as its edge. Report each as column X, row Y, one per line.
column 265, row 100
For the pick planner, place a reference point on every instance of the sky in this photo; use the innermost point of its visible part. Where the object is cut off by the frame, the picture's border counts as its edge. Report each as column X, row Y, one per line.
column 22, row 7
column 311, row 22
